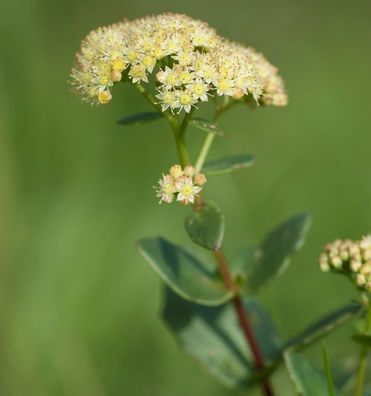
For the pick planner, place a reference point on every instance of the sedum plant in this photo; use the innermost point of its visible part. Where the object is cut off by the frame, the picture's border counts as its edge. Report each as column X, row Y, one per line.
column 211, row 305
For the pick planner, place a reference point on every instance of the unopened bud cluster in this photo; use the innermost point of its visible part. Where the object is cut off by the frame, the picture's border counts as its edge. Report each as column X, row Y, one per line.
column 182, row 185
column 352, row 258
column 188, row 59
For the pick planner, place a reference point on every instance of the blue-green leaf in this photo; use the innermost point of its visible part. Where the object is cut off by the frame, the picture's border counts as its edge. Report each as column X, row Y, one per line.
column 324, row 325
column 206, row 226
column 307, row 379
column 183, row 272
column 140, row 118
column 212, row 335
column 205, row 126
column 256, row 266
column 228, row 164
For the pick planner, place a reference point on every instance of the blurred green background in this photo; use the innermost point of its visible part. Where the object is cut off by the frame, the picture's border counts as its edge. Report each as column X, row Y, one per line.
column 79, row 306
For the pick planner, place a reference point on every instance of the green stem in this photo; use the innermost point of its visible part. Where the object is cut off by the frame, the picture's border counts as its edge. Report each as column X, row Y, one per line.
column 361, row 375
column 204, row 151
column 205, row 148
column 178, row 129
column 328, row 371
column 181, row 147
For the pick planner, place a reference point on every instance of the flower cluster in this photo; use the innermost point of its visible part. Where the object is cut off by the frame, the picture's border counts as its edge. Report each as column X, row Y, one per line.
column 189, row 60
column 352, row 258
column 180, row 183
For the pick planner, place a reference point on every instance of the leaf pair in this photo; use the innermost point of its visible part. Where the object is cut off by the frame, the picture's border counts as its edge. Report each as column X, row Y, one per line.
column 254, row 266
column 197, row 281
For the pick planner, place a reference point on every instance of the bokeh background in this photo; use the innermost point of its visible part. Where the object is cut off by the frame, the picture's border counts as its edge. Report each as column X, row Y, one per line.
column 79, row 306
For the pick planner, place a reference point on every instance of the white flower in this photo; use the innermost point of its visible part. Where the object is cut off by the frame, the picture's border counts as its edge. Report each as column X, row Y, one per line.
column 138, row 73
column 199, row 90
column 168, row 77
column 167, row 189
column 201, row 61
column 185, row 100
column 186, row 189
column 224, row 86
column 167, row 100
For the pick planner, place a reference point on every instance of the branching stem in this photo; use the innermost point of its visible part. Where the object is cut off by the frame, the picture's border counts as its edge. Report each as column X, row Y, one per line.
column 179, row 129
column 211, row 136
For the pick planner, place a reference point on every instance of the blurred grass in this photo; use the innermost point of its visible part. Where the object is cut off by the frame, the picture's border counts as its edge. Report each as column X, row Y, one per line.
column 78, row 305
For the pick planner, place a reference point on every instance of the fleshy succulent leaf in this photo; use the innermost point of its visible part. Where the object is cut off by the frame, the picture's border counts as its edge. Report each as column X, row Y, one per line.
column 186, row 274
column 256, row 266
column 213, row 336
column 206, row 226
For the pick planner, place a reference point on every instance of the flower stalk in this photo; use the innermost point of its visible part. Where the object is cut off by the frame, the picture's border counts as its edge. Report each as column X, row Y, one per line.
column 188, row 63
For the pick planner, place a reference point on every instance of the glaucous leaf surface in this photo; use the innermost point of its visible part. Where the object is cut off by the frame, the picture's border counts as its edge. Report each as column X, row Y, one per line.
column 183, row 272
column 228, row 164
column 212, row 335
column 206, row 226
column 324, row 325
column 308, row 380
column 256, row 266
column 140, row 118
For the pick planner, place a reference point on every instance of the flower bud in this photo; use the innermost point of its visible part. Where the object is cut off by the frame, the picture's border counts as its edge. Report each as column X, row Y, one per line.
column 176, row 171
column 104, row 97
column 344, row 255
column 336, row 262
column 189, row 171
column 360, row 279
column 324, row 266
column 116, row 76
column 200, row 179
column 355, row 265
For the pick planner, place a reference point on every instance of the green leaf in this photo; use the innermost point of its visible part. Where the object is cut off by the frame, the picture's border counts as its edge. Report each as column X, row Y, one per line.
column 228, row 164
column 213, row 336
column 307, row 379
column 183, row 272
column 363, row 339
column 205, row 126
column 206, row 226
column 324, row 325
column 255, row 267
column 140, row 118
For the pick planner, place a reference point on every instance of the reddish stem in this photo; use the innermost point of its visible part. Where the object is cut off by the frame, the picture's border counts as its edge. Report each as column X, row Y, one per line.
column 244, row 321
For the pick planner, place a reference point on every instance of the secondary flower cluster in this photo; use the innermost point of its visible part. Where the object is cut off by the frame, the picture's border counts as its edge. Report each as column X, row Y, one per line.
column 189, row 60
column 352, row 258
column 180, row 183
